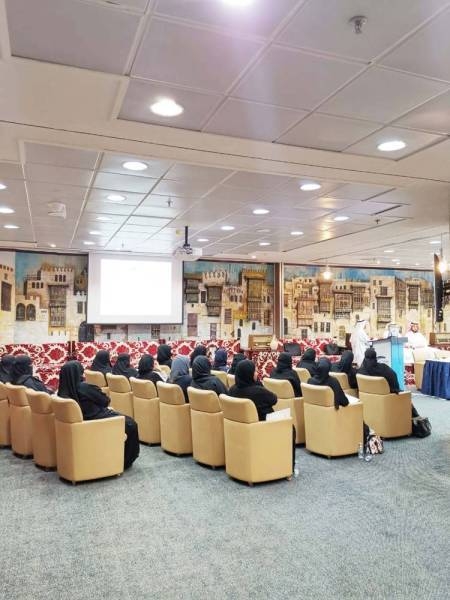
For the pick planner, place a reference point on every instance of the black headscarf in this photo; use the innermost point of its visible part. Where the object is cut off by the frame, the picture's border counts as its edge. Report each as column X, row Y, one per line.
column 220, row 360
column 308, row 360
column 22, row 374
column 102, row 362
column 345, row 365
column 245, row 372
column 146, row 365
column 202, row 378
column 247, row 387
column 6, row 365
column 197, row 351
column 284, row 370
column 122, row 366
column 322, row 377
column 70, row 377
column 164, row 355
column 370, row 366
column 237, row 358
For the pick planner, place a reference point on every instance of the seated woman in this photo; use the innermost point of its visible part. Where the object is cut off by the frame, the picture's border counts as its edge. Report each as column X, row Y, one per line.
column 237, row 358
column 179, row 374
column 199, row 350
column 345, row 365
column 123, row 367
column 146, row 369
column 6, row 365
column 94, row 404
column 164, row 355
column 308, row 361
column 247, row 386
column 22, row 374
column 370, row 366
column 202, row 378
column 220, row 360
column 284, row 370
column 102, row 362
column 322, row 377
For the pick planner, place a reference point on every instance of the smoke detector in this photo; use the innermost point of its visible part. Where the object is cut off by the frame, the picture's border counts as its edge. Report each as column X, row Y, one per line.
column 358, row 23
column 57, row 209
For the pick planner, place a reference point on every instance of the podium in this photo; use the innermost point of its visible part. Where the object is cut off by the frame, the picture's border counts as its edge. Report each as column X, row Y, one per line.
column 391, row 349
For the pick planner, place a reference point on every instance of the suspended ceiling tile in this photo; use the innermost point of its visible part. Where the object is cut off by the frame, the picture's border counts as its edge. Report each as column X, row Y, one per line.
column 148, row 221
column 157, row 211
column 124, row 183
column 60, row 156
column 204, row 59
column 426, row 52
column 432, row 116
column 143, row 94
column 93, row 218
column 108, row 209
column 415, row 140
column 178, row 203
column 294, row 79
column 130, row 198
column 194, row 173
column 72, row 33
column 10, row 171
column 359, row 191
column 259, row 18
column 241, row 118
column 324, row 25
column 382, row 95
column 136, row 5
column 292, row 189
column 113, row 163
column 256, row 181
column 60, row 175
column 233, row 196
column 182, row 188
column 327, row 132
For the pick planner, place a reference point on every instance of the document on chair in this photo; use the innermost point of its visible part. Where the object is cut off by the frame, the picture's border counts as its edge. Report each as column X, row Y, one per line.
column 279, row 415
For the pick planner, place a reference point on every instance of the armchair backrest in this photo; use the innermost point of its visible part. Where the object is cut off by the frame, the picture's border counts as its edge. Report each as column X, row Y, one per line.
column 282, row 388
column 241, row 410
column 143, row 388
column 231, row 379
column 17, row 394
column 342, row 378
column 303, row 374
column 67, row 410
column 3, row 392
column 95, row 378
column 40, row 402
column 372, row 385
column 170, row 393
column 118, row 383
column 203, row 400
column 321, row 395
column 164, row 369
column 220, row 375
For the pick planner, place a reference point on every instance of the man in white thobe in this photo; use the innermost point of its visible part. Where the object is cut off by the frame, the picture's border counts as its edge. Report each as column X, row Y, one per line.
column 359, row 341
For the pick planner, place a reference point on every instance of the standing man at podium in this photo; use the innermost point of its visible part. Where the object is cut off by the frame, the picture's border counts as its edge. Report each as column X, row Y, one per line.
column 359, row 341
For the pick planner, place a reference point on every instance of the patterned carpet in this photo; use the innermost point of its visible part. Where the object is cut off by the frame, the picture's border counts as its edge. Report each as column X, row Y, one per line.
column 171, row 529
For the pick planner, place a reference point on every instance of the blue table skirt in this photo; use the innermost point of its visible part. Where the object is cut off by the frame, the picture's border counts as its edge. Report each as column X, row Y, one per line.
column 436, row 379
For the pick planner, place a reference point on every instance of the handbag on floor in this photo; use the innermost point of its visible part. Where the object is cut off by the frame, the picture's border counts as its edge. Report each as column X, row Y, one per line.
column 374, row 444
column 421, row 427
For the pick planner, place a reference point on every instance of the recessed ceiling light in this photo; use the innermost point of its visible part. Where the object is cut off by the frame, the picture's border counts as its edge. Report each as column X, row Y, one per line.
column 261, row 211
column 5, row 210
column 11, row 226
column 166, row 107
column 417, row 264
column 115, row 197
column 103, row 219
column 296, row 232
column 52, row 245
column 134, row 165
column 95, row 232
column 395, row 260
column 310, row 186
column 341, row 218
column 435, row 242
column 3, row 186
column 227, row 228
column 391, row 146
column 264, row 243
column 202, row 240
column 87, row 243
column 388, row 251
column 263, row 231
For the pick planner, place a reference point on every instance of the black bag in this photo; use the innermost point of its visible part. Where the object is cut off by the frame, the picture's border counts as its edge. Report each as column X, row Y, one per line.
column 421, row 427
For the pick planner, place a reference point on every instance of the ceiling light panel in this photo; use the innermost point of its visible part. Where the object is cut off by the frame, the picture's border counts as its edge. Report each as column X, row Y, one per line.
column 124, row 183
column 414, row 141
column 113, row 163
column 91, row 36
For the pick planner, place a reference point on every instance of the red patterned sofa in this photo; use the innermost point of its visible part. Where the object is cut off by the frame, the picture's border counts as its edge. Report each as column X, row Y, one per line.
column 47, row 358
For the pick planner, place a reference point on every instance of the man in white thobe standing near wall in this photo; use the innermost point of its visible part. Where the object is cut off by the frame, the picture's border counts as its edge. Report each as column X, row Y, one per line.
column 359, row 341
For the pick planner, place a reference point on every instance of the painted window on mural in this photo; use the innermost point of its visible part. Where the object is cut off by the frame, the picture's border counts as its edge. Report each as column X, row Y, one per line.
column 228, row 316
column 30, row 312
column 6, row 296
column 57, row 305
column 191, row 290
column 192, row 324
column 384, row 310
column 20, row 312
column 214, row 301
column 213, row 331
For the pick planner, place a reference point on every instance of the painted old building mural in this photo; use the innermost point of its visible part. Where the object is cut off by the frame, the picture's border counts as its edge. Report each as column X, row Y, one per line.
column 227, row 300
column 316, row 307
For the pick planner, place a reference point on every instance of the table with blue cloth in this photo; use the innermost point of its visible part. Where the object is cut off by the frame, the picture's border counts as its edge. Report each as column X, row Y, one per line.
column 436, row 379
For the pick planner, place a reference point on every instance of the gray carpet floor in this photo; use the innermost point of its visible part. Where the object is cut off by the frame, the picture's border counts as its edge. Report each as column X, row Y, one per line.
column 170, row 529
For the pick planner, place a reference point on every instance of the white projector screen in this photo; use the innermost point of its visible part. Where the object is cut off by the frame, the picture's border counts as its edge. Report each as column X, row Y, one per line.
column 134, row 289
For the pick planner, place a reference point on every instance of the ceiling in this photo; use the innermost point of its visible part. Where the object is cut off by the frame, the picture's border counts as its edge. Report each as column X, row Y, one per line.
column 275, row 95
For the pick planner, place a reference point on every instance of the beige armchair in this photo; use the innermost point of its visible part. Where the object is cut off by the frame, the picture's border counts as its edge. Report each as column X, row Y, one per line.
column 221, row 375
column 5, row 429
column 20, row 421
column 43, row 429
column 303, row 374
column 420, row 356
column 231, row 380
column 120, row 394
column 328, row 431
column 207, row 427
column 146, row 410
column 388, row 414
column 283, row 391
column 97, row 378
column 175, row 419
column 87, row 449
column 255, row 450
column 345, row 385
column 164, row 369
